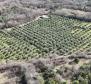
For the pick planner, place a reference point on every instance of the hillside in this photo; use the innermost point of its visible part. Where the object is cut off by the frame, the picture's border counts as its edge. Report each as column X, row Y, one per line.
column 15, row 12
column 45, row 42
column 49, row 43
column 58, row 35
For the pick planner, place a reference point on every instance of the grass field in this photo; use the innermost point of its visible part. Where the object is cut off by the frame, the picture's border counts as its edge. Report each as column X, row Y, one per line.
column 58, row 34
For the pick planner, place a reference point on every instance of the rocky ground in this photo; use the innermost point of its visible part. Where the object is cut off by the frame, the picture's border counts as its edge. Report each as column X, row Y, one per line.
column 31, row 72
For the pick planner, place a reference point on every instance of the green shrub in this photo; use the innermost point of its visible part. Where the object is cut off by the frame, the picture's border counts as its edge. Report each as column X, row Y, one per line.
column 76, row 60
column 75, row 82
column 64, row 82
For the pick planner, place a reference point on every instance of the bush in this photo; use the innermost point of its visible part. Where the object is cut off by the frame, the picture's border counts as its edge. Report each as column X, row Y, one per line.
column 76, row 60
column 64, row 82
column 75, row 82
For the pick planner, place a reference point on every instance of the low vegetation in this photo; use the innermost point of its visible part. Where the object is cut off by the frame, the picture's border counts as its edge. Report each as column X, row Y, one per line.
column 57, row 34
column 83, row 75
column 45, row 41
